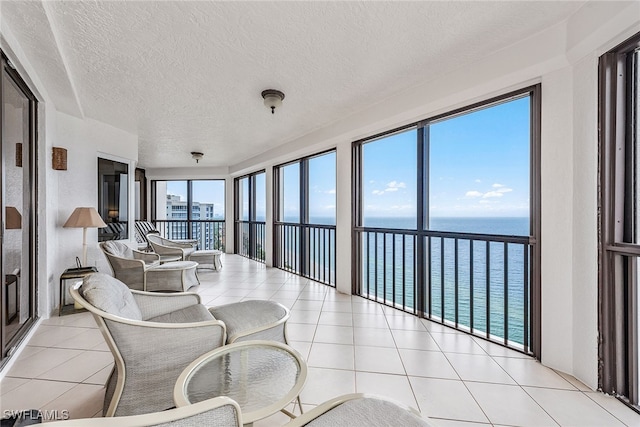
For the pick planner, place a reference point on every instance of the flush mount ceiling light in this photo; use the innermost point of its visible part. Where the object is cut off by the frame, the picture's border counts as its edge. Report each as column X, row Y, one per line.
column 197, row 156
column 272, row 99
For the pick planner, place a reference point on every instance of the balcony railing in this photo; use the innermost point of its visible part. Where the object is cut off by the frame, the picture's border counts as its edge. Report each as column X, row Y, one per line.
column 476, row 283
column 307, row 250
column 250, row 239
column 210, row 234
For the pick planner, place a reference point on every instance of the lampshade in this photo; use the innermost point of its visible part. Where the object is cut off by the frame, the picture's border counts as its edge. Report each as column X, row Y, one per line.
column 272, row 99
column 13, row 219
column 85, row 217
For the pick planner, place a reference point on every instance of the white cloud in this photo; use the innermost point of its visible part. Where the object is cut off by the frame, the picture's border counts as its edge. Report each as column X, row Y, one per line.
column 396, row 185
column 492, row 194
column 497, row 185
column 390, row 188
column 505, row 190
column 478, row 181
column 473, row 193
column 332, row 191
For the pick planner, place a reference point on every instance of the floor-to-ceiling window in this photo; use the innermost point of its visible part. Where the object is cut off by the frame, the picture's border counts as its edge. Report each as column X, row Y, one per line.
column 250, row 215
column 305, row 217
column 619, row 165
column 18, row 213
column 447, row 219
column 190, row 209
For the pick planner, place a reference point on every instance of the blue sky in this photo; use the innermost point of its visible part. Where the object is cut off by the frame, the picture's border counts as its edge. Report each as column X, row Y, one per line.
column 479, row 167
column 206, row 191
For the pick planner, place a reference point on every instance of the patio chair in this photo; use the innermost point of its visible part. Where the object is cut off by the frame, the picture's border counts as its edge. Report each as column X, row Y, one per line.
column 154, row 336
column 216, row 412
column 142, row 228
column 145, row 271
column 356, row 410
column 166, row 247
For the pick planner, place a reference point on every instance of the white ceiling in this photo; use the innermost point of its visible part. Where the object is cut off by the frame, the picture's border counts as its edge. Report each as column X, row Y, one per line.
column 187, row 76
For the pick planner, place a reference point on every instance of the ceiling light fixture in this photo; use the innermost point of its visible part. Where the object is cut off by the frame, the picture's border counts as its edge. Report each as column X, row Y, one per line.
column 197, row 156
column 272, row 99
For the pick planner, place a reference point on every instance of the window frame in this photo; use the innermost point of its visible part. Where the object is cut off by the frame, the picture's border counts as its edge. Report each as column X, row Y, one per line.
column 422, row 214
column 618, row 258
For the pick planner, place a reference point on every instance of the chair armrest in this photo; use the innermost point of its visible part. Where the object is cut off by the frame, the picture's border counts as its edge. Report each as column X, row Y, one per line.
column 125, row 263
column 154, row 304
column 186, row 244
column 167, row 250
column 145, row 256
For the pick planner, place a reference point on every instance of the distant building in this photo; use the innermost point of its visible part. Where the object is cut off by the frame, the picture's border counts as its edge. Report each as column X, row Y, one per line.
column 177, row 209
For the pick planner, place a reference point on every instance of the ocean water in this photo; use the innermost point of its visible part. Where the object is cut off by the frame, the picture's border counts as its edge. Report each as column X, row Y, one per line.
column 471, row 279
column 463, row 281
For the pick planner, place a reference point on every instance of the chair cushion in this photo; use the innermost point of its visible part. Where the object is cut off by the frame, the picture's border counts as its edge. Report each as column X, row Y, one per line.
column 193, row 313
column 245, row 315
column 117, row 249
column 110, row 295
column 176, row 265
column 368, row 412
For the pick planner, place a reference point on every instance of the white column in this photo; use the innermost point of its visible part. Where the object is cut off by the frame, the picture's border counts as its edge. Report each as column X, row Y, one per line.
column 229, row 215
column 343, row 217
column 268, row 229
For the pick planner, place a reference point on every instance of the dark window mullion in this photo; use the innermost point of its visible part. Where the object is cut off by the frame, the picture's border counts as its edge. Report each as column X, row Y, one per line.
column 304, row 217
column 422, row 212
column 189, row 208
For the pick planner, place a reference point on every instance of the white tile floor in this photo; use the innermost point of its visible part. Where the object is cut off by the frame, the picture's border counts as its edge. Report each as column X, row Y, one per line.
column 351, row 345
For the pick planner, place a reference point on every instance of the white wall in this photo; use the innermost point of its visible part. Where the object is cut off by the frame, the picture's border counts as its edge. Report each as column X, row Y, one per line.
column 557, row 230
column 85, row 140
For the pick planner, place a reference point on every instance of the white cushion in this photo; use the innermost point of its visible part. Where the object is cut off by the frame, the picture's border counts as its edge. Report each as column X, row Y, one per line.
column 110, row 295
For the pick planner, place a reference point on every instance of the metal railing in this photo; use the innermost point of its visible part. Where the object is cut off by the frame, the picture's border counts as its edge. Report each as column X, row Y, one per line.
column 210, row 234
column 250, row 239
column 473, row 282
column 306, row 249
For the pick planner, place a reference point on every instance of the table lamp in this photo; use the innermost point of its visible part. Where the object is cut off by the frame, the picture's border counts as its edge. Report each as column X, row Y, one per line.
column 84, row 218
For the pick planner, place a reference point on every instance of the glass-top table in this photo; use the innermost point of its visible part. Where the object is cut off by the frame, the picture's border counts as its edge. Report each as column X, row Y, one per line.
column 262, row 376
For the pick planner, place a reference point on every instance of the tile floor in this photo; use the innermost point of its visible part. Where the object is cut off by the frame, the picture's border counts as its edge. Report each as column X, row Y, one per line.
column 351, row 345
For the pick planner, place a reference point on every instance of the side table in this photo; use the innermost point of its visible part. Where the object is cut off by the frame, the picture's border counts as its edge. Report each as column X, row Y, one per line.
column 263, row 377
column 68, row 274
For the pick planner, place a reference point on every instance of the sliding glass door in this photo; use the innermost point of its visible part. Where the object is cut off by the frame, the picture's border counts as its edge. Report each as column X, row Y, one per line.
column 619, row 308
column 18, row 214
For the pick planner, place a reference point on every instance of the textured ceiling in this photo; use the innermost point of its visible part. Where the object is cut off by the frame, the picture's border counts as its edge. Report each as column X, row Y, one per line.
column 187, row 76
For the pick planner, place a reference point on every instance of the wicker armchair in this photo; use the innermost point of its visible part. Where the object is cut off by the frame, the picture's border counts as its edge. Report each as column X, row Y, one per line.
column 166, row 247
column 128, row 265
column 154, row 336
column 216, row 412
column 145, row 271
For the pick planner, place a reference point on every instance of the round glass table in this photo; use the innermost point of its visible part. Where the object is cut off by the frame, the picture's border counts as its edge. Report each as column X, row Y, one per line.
column 262, row 376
